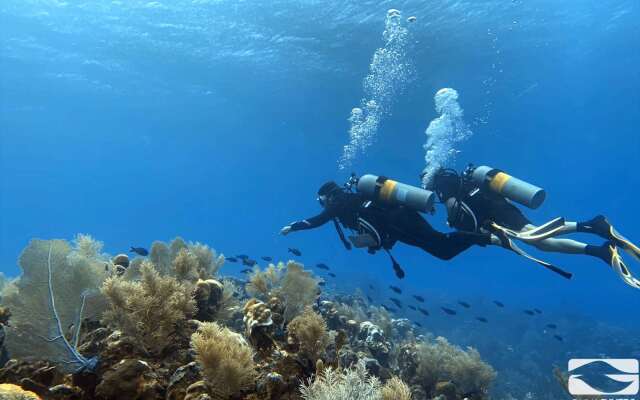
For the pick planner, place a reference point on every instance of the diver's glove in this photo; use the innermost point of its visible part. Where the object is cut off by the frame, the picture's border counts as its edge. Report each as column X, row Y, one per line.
column 285, row 230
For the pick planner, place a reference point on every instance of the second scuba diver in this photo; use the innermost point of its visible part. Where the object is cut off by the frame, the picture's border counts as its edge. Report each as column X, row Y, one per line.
column 478, row 201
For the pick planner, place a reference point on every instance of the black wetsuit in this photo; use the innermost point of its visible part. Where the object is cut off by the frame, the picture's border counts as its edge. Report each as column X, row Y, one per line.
column 392, row 224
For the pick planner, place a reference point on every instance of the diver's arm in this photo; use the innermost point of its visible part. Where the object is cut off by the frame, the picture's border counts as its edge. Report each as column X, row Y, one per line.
column 309, row 223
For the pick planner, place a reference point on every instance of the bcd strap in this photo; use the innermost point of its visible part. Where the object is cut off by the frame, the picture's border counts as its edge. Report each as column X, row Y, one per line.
column 396, row 266
column 344, row 241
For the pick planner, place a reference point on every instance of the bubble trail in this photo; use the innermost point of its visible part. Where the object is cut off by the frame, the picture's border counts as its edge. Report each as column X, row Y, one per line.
column 444, row 134
column 388, row 73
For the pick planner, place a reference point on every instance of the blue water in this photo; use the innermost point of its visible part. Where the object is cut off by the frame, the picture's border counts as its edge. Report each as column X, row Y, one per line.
column 136, row 121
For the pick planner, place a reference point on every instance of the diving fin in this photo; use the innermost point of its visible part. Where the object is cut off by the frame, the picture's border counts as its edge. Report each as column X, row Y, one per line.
column 624, row 243
column 620, row 267
column 508, row 243
column 544, row 231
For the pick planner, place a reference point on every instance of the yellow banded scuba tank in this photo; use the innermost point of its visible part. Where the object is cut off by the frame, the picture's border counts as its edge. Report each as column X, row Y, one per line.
column 508, row 186
column 387, row 191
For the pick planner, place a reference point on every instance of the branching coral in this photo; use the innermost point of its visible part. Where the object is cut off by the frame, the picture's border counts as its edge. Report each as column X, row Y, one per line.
column 441, row 361
column 149, row 309
column 395, row 389
column 298, row 290
column 55, row 291
column 262, row 283
column 225, row 358
column 184, row 260
column 309, row 331
column 185, row 266
column 351, row 384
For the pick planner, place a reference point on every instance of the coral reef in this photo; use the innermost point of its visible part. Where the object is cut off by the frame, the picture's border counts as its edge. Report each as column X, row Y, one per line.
column 13, row 392
column 226, row 359
column 147, row 310
column 169, row 327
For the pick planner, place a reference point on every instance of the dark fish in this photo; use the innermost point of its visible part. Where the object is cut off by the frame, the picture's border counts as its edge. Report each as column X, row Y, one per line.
column 558, row 338
column 267, row 258
column 423, row 311
column 231, row 259
column 322, row 283
column 418, row 298
column 482, row 319
column 371, row 287
column 464, row 304
column 295, row 252
column 448, row 311
column 370, row 299
column 249, row 262
column 106, row 267
column 322, row 266
column 396, row 289
column 552, row 326
column 529, row 312
column 331, row 274
column 242, row 256
column 389, row 309
column 246, row 271
column 395, row 301
column 412, row 307
column 499, row 304
column 418, row 324
column 141, row 251
column 537, row 311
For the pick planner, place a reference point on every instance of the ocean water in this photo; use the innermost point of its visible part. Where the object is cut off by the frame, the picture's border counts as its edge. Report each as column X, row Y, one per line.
column 217, row 121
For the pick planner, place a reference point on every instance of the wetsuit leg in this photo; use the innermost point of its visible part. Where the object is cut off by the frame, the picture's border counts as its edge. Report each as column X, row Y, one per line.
column 411, row 228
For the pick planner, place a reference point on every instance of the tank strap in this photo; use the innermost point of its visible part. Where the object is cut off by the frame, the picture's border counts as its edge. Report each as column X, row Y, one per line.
column 344, row 241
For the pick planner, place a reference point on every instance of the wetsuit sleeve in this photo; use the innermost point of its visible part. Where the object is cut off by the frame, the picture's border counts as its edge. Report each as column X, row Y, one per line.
column 313, row 222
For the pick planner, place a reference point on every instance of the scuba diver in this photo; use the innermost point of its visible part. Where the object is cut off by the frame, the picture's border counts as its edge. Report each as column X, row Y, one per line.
column 382, row 212
column 480, row 200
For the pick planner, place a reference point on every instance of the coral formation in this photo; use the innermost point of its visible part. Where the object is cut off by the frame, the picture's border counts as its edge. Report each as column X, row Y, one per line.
column 253, row 340
column 147, row 310
column 55, row 291
column 14, row 392
column 226, row 359
column 309, row 331
column 441, row 362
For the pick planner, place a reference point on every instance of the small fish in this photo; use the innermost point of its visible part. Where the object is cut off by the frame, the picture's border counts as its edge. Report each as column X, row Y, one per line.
column 395, row 301
column 412, row 307
column 106, row 267
column 242, row 256
column 141, row 251
column 396, row 289
column 331, row 274
column 246, row 271
column 231, row 259
column 418, row 298
column 412, row 18
column 267, row 258
column 537, row 311
column 249, row 262
column 464, row 304
column 448, row 311
column 295, row 252
column 482, row 319
column 423, row 311
column 529, row 312
column 389, row 309
column 371, row 287
column 552, row 326
column 418, row 324
column 322, row 283
column 322, row 266
column 499, row 304
column 558, row 338
column 370, row 299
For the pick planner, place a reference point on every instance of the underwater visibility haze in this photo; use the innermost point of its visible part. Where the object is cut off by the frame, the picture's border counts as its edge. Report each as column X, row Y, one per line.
column 155, row 155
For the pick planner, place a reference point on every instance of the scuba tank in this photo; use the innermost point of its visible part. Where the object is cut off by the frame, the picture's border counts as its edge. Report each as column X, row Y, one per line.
column 508, row 186
column 387, row 191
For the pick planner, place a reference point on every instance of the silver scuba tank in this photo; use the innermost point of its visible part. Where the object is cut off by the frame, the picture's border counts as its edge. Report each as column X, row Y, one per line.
column 508, row 186
column 388, row 191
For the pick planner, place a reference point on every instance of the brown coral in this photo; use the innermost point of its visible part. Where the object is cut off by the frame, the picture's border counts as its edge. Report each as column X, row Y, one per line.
column 149, row 309
column 309, row 331
column 226, row 359
column 14, row 392
column 395, row 389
